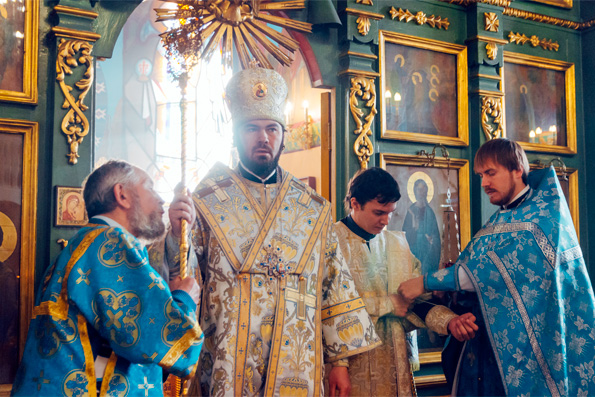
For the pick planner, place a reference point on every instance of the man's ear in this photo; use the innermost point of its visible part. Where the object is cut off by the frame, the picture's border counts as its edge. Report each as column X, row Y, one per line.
column 354, row 204
column 518, row 174
column 122, row 196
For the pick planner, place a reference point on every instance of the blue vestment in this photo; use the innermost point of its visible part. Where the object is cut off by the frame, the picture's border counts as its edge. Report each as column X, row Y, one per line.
column 535, row 297
column 102, row 296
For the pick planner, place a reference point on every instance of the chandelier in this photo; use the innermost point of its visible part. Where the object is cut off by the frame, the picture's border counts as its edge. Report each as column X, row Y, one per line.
column 198, row 27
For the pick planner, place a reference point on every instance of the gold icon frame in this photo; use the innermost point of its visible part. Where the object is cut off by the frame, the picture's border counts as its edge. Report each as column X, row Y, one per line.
column 548, row 68
column 26, row 236
column 28, row 62
column 455, row 86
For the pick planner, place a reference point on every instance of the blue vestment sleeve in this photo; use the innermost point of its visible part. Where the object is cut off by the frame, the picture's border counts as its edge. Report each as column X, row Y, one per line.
column 441, row 280
column 132, row 307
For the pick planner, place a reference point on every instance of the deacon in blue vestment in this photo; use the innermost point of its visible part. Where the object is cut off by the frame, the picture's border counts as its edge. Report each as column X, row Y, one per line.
column 530, row 286
column 104, row 321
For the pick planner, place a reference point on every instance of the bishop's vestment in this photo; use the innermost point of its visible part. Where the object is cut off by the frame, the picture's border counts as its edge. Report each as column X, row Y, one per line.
column 379, row 264
column 278, row 299
column 535, row 297
column 102, row 294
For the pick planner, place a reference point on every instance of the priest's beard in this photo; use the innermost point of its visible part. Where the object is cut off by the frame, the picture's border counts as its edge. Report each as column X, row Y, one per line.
column 260, row 168
column 146, row 226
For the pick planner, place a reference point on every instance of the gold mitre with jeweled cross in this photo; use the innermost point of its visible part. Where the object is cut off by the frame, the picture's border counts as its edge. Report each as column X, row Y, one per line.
column 256, row 94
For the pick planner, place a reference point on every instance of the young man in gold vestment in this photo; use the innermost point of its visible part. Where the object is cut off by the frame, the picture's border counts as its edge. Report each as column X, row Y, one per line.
column 278, row 298
column 379, row 261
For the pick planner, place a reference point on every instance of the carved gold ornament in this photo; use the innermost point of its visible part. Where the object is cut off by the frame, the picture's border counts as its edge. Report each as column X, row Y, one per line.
column 499, row 3
column 363, row 25
column 365, row 89
column 516, row 13
column 365, row 2
column 491, row 114
column 491, row 21
column 513, row 12
column 200, row 25
column 521, row 38
column 491, row 50
column 420, row 18
column 74, row 125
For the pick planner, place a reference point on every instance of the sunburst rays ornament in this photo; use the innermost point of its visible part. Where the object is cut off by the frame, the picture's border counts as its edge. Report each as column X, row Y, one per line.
column 201, row 25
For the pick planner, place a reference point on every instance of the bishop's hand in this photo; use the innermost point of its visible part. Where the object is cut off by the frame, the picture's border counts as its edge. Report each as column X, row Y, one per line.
column 180, row 208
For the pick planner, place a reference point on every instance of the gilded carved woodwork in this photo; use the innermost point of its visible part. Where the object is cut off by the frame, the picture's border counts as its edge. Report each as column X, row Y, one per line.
column 499, row 3
column 516, row 13
column 491, row 21
column 521, row 38
column 513, row 12
column 363, row 20
column 358, row 72
column 491, row 50
column 365, row 89
column 75, row 125
column 491, row 116
column 363, row 25
column 587, row 24
column 420, row 18
column 365, row 2
column 75, row 11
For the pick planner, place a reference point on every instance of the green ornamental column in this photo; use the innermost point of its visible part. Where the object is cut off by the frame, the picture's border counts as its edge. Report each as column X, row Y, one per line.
column 357, row 91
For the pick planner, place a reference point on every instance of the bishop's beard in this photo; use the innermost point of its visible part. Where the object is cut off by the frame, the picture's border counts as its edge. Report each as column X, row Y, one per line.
column 260, row 168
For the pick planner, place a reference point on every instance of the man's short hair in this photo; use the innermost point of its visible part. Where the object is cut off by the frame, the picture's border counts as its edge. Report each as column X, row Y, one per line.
column 98, row 188
column 505, row 152
column 372, row 183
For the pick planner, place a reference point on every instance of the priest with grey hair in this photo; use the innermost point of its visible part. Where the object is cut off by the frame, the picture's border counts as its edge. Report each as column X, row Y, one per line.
column 104, row 322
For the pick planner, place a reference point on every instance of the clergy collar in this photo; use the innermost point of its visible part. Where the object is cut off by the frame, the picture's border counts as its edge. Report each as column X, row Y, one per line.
column 251, row 176
column 515, row 202
column 350, row 223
